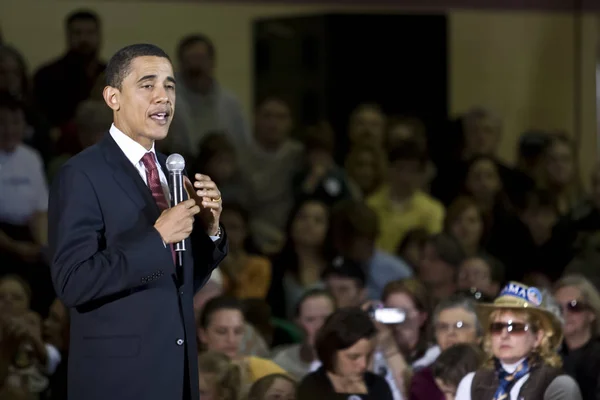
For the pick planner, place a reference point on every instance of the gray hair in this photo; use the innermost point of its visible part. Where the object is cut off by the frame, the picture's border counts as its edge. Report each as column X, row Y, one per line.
column 458, row 301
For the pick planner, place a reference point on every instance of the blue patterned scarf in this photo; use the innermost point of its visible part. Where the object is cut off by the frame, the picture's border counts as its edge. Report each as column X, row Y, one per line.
column 508, row 380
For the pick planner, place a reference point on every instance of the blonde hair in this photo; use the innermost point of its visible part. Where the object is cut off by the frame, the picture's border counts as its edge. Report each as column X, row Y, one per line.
column 590, row 295
column 544, row 352
column 227, row 376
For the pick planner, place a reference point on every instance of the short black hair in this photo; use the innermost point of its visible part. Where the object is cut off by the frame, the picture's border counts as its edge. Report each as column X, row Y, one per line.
column 456, row 362
column 189, row 40
column 217, row 304
column 82, row 15
column 120, row 63
column 346, row 268
column 10, row 102
column 448, row 248
column 408, row 150
column 309, row 294
column 344, row 328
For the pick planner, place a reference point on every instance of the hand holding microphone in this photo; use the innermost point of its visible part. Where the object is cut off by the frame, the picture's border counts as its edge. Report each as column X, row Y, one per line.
column 176, row 223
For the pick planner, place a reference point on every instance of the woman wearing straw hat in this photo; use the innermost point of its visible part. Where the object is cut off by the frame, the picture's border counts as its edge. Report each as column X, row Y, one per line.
column 521, row 340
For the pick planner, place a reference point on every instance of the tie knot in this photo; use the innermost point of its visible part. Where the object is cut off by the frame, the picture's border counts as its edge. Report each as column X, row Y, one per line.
column 148, row 161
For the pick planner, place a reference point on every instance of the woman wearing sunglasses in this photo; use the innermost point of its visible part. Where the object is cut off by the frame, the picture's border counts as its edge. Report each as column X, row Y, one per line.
column 521, row 340
column 580, row 303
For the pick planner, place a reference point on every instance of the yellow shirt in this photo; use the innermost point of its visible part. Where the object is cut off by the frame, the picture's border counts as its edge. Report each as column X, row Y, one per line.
column 420, row 211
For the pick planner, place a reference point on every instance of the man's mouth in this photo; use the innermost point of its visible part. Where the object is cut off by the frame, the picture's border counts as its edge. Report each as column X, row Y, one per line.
column 160, row 117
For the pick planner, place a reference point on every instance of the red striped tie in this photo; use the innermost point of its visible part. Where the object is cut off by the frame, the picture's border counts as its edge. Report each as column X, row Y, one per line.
column 155, row 186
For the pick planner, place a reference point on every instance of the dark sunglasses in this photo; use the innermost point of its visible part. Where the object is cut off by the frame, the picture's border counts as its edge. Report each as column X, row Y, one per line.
column 496, row 328
column 574, row 306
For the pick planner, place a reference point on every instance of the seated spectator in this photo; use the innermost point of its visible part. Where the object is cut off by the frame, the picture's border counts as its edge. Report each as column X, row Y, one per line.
column 23, row 205
column 482, row 273
column 401, row 205
column 306, row 254
column 245, row 275
column 580, row 304
column 438, row 268
column 320, row 177
column 454, row 364
column 454, row 322
column 312, row 310
column 91, row 122
column 273, row 387
column 484, row 185
column 217, row 158
column 533, row 242
column 343, row 346
column 404, row 347
column 367, row 125
column 465, row 222
column 55, row 334
column 219, row 377
column 222, row 330
column 365, row 166
column 253, row 344
column 521, row 341
column 481, row 137
column 23, row 354
column 412, row 246
column 355, row 228
column 559, row 173
column 346, row 280
column 404, row 128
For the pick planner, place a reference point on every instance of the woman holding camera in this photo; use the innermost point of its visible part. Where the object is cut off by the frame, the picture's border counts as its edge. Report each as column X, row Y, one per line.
column 344, row 345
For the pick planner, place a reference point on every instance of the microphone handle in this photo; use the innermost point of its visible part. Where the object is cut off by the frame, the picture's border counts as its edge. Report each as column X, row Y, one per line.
column 176, row 185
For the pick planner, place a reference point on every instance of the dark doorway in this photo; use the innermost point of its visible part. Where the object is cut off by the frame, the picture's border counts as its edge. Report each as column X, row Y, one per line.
column 325, row 65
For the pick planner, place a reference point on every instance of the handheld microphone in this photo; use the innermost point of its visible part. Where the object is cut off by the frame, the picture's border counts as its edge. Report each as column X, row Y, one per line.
column 175, row 166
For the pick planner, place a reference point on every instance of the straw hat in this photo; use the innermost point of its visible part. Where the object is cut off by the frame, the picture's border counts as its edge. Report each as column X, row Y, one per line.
column 519, row 297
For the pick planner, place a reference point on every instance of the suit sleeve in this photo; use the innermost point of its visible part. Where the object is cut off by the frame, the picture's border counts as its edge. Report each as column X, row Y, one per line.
column 207, row 254
column 84, row 268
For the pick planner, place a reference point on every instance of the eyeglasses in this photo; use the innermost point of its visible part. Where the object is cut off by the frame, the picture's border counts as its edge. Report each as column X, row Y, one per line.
column 574, row 306
column 444, row 327
column 496, row 328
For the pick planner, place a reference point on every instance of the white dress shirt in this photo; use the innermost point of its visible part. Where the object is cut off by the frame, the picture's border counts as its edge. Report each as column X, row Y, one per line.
column 134, row 153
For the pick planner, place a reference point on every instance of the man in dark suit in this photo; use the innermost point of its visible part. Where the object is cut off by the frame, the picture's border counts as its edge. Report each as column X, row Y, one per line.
column 111, row 229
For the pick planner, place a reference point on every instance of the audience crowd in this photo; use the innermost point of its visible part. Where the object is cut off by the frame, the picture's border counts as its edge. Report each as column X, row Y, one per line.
column 383, row 275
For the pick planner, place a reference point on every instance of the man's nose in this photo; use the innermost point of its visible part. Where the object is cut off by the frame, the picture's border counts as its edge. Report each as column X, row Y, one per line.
column 160, row 95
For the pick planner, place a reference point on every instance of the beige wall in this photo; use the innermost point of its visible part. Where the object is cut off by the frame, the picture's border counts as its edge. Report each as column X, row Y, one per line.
column 520, row 64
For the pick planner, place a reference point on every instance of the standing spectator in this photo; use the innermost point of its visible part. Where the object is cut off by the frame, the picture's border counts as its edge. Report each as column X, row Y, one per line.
column 203, row 105
column 61, row 85
column 580, row 303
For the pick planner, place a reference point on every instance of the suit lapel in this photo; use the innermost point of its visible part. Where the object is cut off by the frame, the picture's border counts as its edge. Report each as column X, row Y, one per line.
column 128, row 177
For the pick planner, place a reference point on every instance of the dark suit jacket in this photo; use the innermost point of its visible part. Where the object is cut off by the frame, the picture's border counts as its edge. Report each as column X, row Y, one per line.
column 132, row 319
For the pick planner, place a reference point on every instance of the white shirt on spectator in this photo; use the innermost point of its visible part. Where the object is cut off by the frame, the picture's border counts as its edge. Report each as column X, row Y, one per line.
column 23, row 188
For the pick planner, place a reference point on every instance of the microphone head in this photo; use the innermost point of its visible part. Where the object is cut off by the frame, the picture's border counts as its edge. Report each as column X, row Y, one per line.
column 175, row 163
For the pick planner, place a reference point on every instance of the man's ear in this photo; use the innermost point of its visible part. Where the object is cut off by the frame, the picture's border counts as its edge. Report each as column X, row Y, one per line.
column 112, row 97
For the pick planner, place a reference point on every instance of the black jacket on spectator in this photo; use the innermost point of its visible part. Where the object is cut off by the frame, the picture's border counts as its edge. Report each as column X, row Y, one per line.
column 583, row 365
column 512, row 244
column 60, row 86
column 317, row 386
